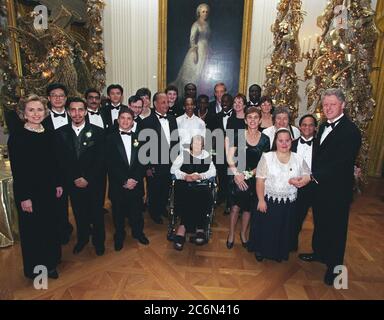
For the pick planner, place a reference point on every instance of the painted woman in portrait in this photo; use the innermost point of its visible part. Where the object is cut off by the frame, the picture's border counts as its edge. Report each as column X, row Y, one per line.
column 196, row 57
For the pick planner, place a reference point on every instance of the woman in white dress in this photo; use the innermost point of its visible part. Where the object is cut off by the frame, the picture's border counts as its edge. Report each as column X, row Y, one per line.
column 194, row 61
column 278, row 176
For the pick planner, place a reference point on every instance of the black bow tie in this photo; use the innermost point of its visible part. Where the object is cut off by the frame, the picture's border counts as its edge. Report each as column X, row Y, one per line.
column 327, row 124
column 94, row 112
column 125, row 132
column 116, row 108
column 55, row 115
column 226, row 114
column 306, row 142
column 161, row 117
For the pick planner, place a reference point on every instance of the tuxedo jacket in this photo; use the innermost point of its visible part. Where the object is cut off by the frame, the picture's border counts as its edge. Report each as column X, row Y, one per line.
column 103, row 117
column 212, row 108
column 334, row 160
column 105, row 112
column 48, row 123
column 119, row 168
column 82, row 156
column 152, row 122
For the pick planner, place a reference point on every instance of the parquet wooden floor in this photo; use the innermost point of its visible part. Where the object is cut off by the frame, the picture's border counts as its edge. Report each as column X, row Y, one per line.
column 212, row 271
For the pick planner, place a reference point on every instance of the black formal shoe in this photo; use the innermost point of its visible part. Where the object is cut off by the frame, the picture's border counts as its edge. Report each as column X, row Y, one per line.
column 230, row 244
column 243, row 243
column 157, row 220
column 100, row 250
column 53, row 274
column 119, row 245
column 179, row 242
column 307, row 257
column 79, row 247
column 143, row 239
column 329, row 277
column 259, row 257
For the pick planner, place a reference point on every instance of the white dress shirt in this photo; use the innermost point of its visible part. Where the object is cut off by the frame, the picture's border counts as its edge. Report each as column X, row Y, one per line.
column 96, row 119
column 328, row 130
column 305, row 151
column 218, row 107
column 270, row 132
column 114, row 112
column 59, row 121
column 175, row 169
column 78, row 129
column 189, row 127
column 134, row 127
column 127, row 141
column 165, row 126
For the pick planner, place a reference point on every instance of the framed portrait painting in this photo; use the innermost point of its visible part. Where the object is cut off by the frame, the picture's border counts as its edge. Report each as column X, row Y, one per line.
column 204, row 42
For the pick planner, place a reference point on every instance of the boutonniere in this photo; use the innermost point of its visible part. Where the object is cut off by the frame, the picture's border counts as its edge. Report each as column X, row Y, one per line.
column 88, row 134
column 136, row 143
column 248, row 175
column 84, row 143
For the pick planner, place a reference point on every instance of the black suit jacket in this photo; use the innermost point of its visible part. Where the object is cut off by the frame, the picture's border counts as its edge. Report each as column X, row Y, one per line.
column 152, row 122
column 118, row 166
column 48, row 123
column 212, row 108
column 334, row 160
column 103, row 117
column 85, row 160
column 105, row 112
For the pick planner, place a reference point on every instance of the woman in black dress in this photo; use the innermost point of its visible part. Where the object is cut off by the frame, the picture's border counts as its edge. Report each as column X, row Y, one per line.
column 236, row 120
column 266, row 107
column 192, row 198
column 36, row 189
column 247, row 148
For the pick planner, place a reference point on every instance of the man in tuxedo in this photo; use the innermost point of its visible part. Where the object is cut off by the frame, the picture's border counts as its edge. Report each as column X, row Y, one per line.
column 110, row 110
column 135, row 103
column 304, row 146
column 165, row 139
column 126, row 178
column 219, row 124
column 82, row 161
column 254, row 94
column 57, row 118
column 215, row 106
column 337, row 146
column 94, row 115
column 57, row 97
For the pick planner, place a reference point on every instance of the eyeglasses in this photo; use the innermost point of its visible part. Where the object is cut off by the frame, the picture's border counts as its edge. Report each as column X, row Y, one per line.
column 93, row 98
column 57, row 96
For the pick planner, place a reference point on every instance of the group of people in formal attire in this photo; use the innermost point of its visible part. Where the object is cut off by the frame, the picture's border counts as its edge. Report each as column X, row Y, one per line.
column 269, row 172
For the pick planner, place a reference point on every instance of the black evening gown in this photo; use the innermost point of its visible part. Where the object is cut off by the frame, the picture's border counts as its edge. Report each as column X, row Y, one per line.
column 245, row 199
column 34, row 170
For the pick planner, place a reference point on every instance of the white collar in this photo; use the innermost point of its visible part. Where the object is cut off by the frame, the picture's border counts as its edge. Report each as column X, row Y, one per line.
column 186, row 116
column 204, row 154
column 310, row 139
column 78, row 128
column 57, row 112
column 336, row 119
column 118, row 105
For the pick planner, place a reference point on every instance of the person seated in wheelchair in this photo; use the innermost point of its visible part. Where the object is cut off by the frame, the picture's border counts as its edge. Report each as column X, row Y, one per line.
column 193, row 199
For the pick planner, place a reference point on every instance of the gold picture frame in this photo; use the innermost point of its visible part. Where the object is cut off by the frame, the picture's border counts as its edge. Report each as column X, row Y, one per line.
column 244, row 51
